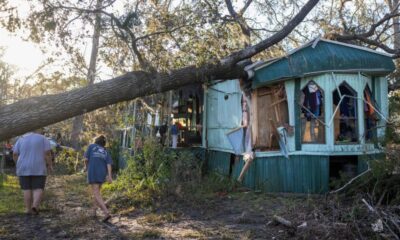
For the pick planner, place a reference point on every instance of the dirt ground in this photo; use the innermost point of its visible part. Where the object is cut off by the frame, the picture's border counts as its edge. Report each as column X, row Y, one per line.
column 241, row 215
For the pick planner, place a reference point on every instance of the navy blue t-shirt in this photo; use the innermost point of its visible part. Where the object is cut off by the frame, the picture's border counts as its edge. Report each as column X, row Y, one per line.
column 98, row 159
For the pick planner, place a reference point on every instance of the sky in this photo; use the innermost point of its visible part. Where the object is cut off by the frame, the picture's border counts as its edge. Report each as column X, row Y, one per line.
column 26, row 56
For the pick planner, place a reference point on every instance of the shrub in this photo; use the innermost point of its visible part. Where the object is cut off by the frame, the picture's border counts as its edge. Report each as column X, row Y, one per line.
column 68, row 161
column 154, row 172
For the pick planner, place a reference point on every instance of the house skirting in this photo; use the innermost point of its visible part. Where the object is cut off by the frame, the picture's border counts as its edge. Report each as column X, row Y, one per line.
column 298, row 174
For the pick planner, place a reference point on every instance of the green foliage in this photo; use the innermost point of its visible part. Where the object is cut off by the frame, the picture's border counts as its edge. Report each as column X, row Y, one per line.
column 11, row 196
column 68, row 161
column 211, row 184
column 392, row 131
column 154, row 172
column 386, row 165
column 113, row 149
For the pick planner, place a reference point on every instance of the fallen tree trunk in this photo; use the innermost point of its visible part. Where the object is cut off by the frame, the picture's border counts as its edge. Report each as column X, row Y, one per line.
column 36, row 112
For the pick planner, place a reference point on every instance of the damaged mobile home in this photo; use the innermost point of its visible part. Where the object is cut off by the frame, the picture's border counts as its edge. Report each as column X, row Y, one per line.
column 301, row 119
column 298, row 121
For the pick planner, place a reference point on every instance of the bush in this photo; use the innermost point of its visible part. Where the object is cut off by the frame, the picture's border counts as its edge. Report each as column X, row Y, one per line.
column 154, row 172
column 68, row 161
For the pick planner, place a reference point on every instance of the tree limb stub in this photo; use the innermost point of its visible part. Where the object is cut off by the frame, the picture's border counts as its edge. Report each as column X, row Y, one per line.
column 36, row 112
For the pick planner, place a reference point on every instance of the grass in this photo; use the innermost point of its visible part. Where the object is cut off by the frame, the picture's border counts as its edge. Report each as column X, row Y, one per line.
column 157, row 220
column 147, row 234
column 11, row 200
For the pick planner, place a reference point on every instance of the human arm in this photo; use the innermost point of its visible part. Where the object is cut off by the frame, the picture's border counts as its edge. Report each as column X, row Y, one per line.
column 15, row 157
column 109, row 168
column 49, row 160
column 86, row 155
column 109, row 175
column 86, row 162
column 16, row 152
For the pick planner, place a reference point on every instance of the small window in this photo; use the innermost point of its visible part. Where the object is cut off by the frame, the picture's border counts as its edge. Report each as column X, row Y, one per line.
column 370, row 115
column 312, row 114
column 345, row 110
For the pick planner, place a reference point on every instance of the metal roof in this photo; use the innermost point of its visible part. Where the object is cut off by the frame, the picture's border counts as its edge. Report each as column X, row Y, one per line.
column 319, row 56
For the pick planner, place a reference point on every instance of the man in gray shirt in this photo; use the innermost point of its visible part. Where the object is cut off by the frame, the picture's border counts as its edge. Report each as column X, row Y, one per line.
column 32, row 154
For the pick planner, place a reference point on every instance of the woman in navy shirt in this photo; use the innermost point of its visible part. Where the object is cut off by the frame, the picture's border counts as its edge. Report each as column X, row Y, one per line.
column 98, row 164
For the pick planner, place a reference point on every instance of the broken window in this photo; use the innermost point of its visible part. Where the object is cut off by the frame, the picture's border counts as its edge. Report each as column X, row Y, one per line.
column 187, row 111
column 271, row 112
column 312, row 114
column 370, row 115
column 345, row 110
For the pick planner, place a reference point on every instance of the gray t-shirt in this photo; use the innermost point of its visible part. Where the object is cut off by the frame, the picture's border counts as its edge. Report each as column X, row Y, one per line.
column 31, row 149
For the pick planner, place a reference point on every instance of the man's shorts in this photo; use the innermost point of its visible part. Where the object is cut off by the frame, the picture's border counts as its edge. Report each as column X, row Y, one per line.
column 32, row 182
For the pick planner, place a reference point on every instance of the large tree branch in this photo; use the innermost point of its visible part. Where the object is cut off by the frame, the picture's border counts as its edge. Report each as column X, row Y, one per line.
column 274, row 39
column 32, row 113
column 245, row 7
column 359, row 36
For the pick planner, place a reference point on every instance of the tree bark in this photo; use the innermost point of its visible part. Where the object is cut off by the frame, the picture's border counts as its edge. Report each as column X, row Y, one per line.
column 32, row 113
column 77, row 124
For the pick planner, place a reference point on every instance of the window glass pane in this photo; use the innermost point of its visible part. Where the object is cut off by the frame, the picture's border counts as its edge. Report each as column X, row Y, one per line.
column 345, row 105
column 312, row 114
column 370, row 115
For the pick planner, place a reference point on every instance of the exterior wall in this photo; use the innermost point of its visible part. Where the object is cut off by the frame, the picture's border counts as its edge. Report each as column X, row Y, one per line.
column 307, row 169
column 381, row 95
column 222, row 115
column 299, row 174
column 218, row 161
column 329, row 82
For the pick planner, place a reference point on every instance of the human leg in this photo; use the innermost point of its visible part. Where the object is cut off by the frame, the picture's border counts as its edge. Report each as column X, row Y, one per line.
column 28, row 200
column 99, row 199
column 174, row 141
column 38, row 184
column 25, row 183
column 37, row 198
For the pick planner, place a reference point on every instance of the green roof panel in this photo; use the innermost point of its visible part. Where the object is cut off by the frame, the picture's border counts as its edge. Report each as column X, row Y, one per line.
column 325, row 56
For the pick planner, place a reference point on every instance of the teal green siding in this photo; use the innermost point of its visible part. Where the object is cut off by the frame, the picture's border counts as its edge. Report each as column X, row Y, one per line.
column 325, row 56
column 218, row 161
column 300, row 173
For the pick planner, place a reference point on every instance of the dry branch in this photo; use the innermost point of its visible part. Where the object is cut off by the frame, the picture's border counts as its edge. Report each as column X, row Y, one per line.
column 283, row 221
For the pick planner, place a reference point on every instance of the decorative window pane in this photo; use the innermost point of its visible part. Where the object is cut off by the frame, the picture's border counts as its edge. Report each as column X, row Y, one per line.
column 312, row 114
column 370, row 115
column 345, row 109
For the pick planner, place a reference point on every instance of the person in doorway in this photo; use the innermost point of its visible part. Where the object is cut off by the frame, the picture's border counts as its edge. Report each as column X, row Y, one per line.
column 32, row 156
column 163, row 131
column 98, row 165
column 174, row 134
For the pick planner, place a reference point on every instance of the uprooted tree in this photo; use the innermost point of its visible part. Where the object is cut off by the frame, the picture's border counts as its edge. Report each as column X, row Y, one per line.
column 36, row 112
column 32, row 113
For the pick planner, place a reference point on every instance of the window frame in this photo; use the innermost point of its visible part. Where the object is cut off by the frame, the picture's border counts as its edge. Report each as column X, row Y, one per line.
column 320, row 120
column 355, row 118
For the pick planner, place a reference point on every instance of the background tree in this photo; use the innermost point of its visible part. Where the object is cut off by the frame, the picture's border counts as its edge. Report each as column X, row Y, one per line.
column 23, row 116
